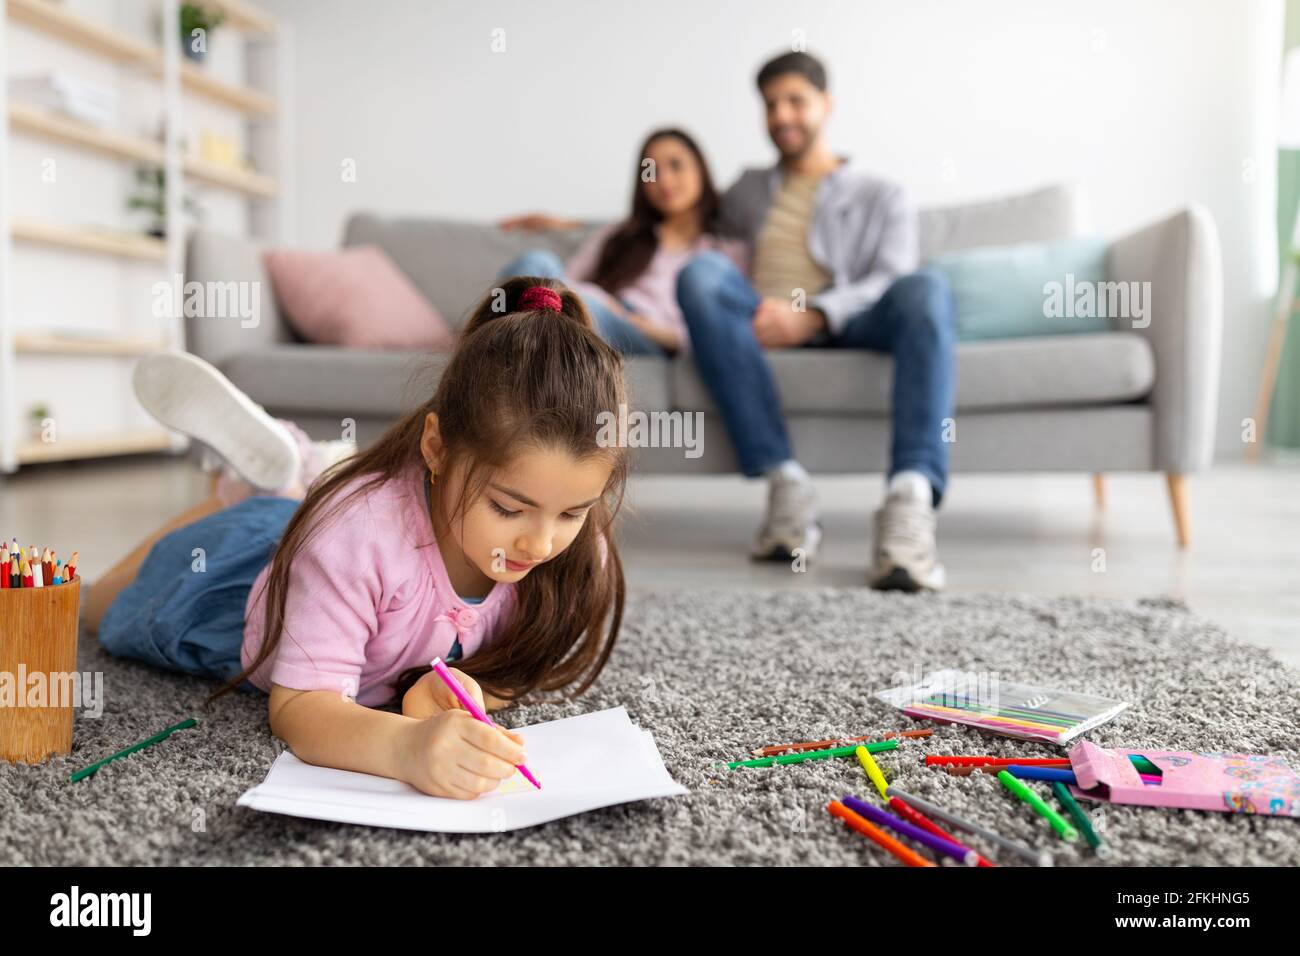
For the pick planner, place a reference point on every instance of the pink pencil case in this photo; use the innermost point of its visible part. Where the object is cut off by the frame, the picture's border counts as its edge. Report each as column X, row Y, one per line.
column 1231, row 783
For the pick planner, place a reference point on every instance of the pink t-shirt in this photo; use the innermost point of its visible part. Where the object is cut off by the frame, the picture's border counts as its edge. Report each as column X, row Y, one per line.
column 653, row 293
column 369, row 597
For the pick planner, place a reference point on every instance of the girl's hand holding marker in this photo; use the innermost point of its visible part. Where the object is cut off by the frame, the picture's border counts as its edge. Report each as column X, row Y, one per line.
column 458, row 752
column 454, row 755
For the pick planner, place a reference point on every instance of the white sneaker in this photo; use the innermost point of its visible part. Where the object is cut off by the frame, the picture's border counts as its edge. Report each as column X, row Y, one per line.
column 906, row 558
column 791, row 524
column 190, row 396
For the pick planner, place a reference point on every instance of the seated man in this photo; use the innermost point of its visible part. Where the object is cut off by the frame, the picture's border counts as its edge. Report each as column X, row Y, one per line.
column 832, row 264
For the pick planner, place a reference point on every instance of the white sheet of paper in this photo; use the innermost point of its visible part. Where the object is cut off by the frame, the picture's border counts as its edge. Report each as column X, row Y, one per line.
column 583, row 763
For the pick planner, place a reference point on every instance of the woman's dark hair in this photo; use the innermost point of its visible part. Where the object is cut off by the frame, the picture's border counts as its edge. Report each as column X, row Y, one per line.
column 630, row 247
column 517, row 380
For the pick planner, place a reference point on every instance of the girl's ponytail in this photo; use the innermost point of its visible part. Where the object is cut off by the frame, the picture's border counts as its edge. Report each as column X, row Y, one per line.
column 537, row 296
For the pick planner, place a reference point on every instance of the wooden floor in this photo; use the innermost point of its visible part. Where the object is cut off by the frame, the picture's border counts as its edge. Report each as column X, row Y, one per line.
column 1040, row 534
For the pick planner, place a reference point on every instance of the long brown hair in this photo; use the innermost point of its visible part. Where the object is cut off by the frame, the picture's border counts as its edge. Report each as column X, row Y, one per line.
column 630, row 247
column 517, row 379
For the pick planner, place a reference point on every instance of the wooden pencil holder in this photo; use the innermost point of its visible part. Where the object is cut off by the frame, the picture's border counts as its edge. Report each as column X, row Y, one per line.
column 38, row 635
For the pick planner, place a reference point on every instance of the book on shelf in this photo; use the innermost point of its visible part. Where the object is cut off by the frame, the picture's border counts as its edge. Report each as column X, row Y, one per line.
column 66, row 93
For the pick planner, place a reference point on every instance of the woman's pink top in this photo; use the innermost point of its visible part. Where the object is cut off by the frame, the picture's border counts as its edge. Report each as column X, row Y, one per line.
column 653, row 293
column 369, row 597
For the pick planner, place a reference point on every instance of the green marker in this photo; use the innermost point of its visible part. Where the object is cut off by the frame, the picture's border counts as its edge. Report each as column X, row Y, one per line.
column 1144, row 765
column 1062, row 826
column 1099, row 846
column 849, row 751
column 156, row 738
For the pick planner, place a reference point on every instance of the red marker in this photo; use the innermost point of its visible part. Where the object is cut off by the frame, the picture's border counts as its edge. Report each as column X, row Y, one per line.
column 940, row 760
column 914, row 816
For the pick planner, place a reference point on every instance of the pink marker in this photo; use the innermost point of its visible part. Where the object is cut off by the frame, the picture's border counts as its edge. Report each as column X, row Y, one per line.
column 469, row 704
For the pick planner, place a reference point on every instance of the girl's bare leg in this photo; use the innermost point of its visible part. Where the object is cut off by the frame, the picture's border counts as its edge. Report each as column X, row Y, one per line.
column 123, row 573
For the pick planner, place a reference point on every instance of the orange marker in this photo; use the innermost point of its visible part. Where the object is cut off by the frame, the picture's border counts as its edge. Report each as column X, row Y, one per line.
column 873, row 833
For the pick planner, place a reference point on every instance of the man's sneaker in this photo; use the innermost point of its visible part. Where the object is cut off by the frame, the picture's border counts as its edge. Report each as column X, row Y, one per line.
column 791, row 525
column 905, row 555
column 188, row 395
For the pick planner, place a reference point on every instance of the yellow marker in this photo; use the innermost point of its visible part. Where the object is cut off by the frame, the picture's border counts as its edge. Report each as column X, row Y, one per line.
column 873, row 771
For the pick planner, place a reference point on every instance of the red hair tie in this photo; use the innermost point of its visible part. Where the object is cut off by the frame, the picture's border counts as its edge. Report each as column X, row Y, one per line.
column 540, row 297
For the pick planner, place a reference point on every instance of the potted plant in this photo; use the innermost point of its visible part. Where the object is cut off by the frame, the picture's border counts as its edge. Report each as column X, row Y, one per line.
column 36, row 416
column 194, row 17
column 153, row 199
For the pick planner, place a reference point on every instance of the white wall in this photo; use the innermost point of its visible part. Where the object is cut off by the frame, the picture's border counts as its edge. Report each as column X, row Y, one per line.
column 1147, row 104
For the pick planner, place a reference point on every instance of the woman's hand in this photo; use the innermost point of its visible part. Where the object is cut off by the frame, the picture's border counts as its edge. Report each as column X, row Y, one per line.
column 537, row 222
column 665, row 338
column 454, row 755
column 430, row 695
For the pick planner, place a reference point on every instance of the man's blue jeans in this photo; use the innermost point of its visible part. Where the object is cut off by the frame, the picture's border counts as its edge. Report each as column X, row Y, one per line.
column 613, row 328
column 912, row 321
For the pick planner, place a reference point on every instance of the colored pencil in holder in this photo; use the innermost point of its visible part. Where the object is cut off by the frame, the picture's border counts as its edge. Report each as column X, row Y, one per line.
column 38, row 635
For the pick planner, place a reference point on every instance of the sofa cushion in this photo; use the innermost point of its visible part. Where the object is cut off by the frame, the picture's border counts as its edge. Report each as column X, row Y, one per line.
column 361, row 383
column 1041, row 372
column 453, row 263
column 352, row 383
column 1002, row 292
column 1038, row 216
column 354, row 297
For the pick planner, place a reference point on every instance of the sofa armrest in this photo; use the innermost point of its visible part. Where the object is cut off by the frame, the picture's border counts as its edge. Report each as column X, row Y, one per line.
column 239, row 313
column 1180, row 258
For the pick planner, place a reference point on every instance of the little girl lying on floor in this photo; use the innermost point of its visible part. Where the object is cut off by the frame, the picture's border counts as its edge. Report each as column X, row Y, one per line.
column 477, row 529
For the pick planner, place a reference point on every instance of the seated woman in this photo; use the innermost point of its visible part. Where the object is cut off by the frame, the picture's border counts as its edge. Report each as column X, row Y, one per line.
column 626, row 272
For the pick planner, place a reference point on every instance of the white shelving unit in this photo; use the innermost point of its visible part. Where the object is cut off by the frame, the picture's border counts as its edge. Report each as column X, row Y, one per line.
column 71, row 364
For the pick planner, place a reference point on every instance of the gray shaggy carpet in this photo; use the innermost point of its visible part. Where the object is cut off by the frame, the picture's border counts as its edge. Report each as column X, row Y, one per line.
column 713, row 675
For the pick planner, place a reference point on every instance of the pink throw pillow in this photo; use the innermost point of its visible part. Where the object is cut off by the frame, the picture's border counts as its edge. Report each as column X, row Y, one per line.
column 355, row 297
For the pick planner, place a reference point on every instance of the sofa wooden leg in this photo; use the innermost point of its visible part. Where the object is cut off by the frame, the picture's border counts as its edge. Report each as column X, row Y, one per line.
column 1178, row 501
column 1099, row 490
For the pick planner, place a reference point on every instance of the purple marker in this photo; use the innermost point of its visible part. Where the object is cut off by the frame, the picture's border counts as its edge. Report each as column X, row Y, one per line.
column 924, row 837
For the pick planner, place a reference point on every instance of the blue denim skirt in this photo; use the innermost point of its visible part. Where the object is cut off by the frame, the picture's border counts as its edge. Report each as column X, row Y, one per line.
column 185, row 609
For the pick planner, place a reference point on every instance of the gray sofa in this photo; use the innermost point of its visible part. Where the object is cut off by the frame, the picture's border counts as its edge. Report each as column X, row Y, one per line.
column 1124, row 400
